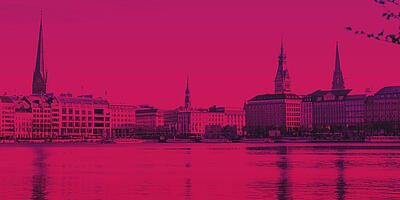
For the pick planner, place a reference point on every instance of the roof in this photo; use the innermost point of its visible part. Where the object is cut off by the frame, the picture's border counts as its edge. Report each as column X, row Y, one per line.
column 327, row 95
column 334, row 92
column 5, row 99
column 274, row 96
column 389, row 90
column 82, row 100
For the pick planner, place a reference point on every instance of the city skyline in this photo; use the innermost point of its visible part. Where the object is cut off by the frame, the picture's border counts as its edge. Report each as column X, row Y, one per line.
column 169, row 85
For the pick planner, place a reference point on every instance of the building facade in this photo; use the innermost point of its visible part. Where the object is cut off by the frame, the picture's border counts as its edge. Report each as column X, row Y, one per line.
column 270, row 112
column 383, row 111
column 7, row 117
column 123, row 118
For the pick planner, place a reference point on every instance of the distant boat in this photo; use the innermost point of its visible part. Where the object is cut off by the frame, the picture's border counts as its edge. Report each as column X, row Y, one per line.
column 215, row 141
column 294, row 140
column 257, row 140
column 383, row 139
column 127, row 141
column 176, row 140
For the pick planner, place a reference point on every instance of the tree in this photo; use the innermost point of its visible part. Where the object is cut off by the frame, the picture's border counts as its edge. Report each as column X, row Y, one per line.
column 392, row 14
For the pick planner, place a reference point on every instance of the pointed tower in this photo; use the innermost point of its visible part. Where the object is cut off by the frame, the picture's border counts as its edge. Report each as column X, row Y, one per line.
column 282, row 78
column 337, row 81
column 40, row 74
column 187, row 95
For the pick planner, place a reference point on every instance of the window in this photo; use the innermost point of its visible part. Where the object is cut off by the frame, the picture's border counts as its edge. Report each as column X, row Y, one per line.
column 99, row 111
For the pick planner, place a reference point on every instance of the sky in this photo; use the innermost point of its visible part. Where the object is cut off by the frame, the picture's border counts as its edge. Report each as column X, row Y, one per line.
column 142, row 51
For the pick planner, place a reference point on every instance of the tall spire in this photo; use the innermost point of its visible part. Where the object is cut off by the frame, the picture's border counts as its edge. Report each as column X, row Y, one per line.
column 282, row 79
column 187, row 94
column 40, row 74
column 337, row 81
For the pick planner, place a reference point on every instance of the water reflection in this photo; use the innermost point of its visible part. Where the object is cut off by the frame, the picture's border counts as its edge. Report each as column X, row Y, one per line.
column 341, row 185
column 39, row 178
column 282, row 185
column 200, row 171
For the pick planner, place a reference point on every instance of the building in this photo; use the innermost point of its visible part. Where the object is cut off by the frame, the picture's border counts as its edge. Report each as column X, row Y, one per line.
column 7, row 116
column 23, row 118
column 355, row 110
column 148, row 116
column 383, row 111
column 197, row 122
column 41, row 113
column 81, row 117
column 274, row 111
column 123, row 119
column 325, row 110
column 39, row 84
column 270, row 112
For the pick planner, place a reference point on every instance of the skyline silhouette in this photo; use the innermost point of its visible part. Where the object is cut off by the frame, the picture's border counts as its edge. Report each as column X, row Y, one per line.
column 151, row 60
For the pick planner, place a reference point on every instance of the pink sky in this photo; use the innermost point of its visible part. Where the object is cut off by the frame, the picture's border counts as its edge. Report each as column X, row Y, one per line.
column 141, row 51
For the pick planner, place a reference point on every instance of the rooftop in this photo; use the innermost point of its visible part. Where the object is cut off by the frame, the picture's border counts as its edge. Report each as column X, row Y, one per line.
column 274, row 96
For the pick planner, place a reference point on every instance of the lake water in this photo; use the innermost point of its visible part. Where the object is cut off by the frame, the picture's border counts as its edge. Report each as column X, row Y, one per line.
column 200, row 171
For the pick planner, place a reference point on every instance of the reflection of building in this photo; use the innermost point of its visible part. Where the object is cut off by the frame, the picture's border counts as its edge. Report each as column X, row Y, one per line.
column 383, row 110
column 122, row 119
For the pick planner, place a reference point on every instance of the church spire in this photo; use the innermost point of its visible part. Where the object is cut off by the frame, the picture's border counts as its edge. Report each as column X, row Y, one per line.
column 337, row 82
column 282, row 80
column 40, row 74
column 187, row 94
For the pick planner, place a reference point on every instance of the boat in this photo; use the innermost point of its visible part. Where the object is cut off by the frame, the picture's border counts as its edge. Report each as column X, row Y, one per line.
column 383, row 139
column 257, row 140
column 215, row 141
column 177, row 140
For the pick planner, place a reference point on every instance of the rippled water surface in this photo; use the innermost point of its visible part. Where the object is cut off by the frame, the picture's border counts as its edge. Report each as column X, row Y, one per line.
column 200, row 171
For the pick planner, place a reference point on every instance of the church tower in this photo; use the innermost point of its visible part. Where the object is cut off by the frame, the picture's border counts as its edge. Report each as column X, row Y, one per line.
column 187, row 95
column 40, row 75
column 282, row 79
column 337, row 82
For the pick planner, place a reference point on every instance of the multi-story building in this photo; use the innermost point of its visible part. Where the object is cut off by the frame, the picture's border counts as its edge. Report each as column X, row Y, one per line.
column 383, row 111
column 23, row 118
column 327, row 109
column 355, row 109
column 82, row 117
column 122, row 120
column 41, row 112
column 7, row 116
column 196, row 122
column 272, row 111
column 148, row 116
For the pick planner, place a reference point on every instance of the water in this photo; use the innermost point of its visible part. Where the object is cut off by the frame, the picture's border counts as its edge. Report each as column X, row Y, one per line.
column 200, row 171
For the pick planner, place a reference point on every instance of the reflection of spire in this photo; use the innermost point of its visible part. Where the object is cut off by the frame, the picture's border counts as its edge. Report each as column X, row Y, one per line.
column 40, row 75
column 337, row 82
column 187, row 95
column 283, row 183
column 340, row 180
column 39, row 181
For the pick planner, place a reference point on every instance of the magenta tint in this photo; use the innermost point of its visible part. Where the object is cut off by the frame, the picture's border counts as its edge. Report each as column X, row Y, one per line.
column 200, row 171
column 142, row 51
